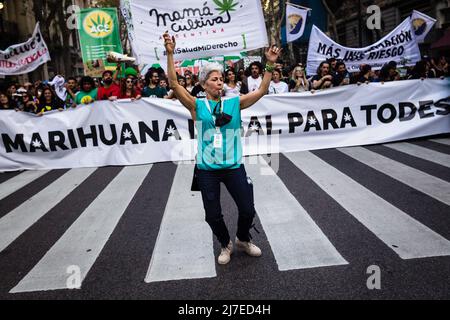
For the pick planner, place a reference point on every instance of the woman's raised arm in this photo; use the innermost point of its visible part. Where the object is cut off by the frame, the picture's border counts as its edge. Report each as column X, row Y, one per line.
column 182, row 94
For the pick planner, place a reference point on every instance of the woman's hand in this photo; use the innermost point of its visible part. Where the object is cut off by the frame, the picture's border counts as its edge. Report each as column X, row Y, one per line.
column 272, row 54
column 169, row 43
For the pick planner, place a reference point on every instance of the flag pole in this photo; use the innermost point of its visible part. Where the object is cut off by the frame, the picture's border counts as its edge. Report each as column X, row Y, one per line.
column 298, row 6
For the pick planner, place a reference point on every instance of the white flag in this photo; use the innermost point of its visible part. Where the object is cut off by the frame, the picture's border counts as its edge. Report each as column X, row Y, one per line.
column 24, row 57
column 295, row 22
column 422, row 24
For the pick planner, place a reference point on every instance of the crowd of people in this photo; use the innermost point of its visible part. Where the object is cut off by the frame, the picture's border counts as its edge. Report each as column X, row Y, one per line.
column 61, row 94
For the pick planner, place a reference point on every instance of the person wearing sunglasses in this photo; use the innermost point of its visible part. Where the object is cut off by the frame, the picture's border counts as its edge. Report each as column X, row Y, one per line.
column 129, row 89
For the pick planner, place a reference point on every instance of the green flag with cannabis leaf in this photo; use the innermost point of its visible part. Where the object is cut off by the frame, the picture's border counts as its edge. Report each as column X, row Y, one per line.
column 99, row 33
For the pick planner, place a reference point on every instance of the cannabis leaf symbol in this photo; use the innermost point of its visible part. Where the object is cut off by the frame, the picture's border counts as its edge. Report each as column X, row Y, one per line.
column 99, row 22
column 225, row 5
column 127, row 134
column 254, row 126
column 36, row 143
column 312, row 121
column 171, row 131
column 347, row 117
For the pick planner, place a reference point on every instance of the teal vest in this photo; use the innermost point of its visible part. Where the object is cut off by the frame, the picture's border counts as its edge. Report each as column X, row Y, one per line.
column 230, row 155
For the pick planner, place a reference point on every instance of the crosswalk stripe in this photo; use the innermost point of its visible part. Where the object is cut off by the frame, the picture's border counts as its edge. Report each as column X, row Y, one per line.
column 184, row 247
column 82, row 243
column 18, row 182
column 296, row 240
column 445, row 141
column 421, row 152
column 5, row 176
column 432, row 186
column 406, row 236
column 13, row 224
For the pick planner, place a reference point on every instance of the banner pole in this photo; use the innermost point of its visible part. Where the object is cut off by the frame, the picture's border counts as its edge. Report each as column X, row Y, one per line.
column 45, row 69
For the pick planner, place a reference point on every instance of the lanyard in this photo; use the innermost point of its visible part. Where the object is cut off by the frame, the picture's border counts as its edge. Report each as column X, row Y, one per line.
column 211, row 112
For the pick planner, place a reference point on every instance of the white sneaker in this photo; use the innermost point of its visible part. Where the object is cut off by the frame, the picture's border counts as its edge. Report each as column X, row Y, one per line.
column 225, row 254
column 249, row 247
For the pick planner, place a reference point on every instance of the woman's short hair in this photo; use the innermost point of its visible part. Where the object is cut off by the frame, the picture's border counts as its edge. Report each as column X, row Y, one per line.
column 207, row 69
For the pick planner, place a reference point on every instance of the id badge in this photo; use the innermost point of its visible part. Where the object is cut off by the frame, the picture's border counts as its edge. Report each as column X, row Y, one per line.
column 218, row 139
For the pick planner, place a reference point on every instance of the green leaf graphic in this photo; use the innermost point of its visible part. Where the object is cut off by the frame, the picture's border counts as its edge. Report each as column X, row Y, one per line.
column 225, row 6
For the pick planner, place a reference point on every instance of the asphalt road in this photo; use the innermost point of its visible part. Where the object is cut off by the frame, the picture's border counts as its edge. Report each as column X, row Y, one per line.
column 119, row 268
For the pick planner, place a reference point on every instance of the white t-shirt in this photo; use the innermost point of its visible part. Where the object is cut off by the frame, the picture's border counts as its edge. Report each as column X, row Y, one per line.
column 280, row 87
column 189, row 89
column 232, row 92
column 253, row 84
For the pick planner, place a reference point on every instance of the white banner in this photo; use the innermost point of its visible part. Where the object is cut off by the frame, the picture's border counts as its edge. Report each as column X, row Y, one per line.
column 158, row 130
column 422, row 24
column 400, row 45
column 24, row 57
column 202, row 28
column 295, row 22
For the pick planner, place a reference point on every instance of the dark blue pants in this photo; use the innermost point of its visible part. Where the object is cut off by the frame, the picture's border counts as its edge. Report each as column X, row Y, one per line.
column 240, row 189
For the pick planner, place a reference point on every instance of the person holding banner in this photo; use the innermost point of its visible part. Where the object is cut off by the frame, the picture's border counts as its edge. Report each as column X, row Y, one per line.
column 88, row 91
column 276, row 85
column 109, row 90
column 219, row 157
column 6, row 103
column 298, row 82
column 49, row 101
column 323, row 79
